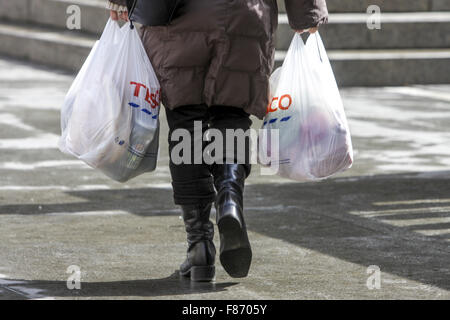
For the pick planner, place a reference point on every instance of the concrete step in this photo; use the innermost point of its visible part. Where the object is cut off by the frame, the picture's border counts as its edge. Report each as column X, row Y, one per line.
column 54, row 13
column 62, row 49
column 385, row 5
column 387, row 67
column 94, row 15
column 344, row 31
column 68, row 50
column 398, row 30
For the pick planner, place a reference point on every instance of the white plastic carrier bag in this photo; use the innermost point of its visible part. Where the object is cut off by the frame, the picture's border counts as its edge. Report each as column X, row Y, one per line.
column 305, row 106
column 110, row 115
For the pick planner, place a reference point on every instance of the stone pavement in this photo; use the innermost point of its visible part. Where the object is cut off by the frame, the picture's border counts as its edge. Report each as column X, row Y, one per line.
column 310, row 240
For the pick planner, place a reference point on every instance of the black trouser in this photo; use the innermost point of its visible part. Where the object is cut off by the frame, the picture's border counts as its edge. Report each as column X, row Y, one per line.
column 193, row 182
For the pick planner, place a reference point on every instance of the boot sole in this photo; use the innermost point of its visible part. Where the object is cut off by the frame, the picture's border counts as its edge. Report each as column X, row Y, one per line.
column 236, row 254
column 201, row 273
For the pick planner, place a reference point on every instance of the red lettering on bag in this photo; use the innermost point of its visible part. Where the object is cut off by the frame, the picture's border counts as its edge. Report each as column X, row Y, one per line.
column 281, row 103
column 269, row 107
column 138, row 87
column 147, row 98
column 152, row 98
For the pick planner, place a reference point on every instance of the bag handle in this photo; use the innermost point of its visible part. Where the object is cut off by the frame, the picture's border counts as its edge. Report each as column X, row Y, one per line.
column 130, row 12
column 318, row 46
column 173, row 11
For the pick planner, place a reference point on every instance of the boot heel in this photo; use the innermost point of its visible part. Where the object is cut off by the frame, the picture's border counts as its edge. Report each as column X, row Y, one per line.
column 203, row 273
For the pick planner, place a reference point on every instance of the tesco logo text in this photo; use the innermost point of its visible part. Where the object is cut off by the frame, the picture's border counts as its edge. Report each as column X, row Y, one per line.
column 282, row 103
column 152, row 98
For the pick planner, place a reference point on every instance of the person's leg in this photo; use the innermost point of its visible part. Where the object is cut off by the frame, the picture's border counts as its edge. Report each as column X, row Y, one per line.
column 194, row 191
column 229, row 179
column 192, row 183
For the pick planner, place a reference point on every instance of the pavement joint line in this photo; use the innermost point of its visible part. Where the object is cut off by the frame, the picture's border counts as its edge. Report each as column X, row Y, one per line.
column 90, row 213
column 12, row 120
column 47, row 187
column 412, row 202
column 431, row 233
column 419, row 92
column 82, row 187
column 383, row 228
column 418, row 223
column 42, row 140
column 376, row 213
column 53, row 164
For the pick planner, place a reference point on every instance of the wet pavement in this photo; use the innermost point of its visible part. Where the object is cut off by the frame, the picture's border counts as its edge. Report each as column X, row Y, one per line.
column 310, row 240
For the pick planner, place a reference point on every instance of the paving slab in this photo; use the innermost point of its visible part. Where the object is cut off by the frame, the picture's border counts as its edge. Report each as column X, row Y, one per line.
column 312, row 240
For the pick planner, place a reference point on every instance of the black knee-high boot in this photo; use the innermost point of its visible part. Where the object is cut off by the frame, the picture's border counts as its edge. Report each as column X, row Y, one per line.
column 235, row 251
column 199, row 264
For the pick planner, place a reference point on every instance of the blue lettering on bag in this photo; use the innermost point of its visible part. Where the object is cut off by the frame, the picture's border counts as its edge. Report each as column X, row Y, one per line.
column 134, row 105
column 275, row 119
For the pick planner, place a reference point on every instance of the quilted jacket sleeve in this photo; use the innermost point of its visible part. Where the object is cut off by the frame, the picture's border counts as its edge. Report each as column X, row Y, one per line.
column 304, row 14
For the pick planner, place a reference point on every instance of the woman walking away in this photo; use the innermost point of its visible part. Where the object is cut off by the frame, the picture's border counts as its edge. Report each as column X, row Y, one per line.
column 213, row 60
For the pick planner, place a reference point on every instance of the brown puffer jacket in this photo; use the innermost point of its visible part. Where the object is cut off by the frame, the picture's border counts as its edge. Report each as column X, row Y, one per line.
column 223, row 54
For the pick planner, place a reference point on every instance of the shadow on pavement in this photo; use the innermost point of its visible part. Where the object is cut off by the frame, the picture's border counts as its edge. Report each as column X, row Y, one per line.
column 142, row 202
column 397, row 222
column 392, row 221
column 169, row 286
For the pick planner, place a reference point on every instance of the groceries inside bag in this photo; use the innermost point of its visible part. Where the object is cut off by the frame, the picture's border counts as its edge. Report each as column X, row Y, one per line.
column 305, row 107
column 110, row 116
